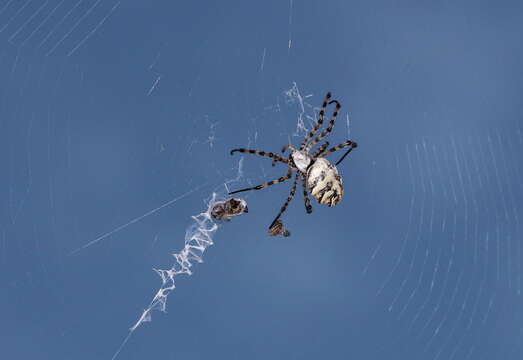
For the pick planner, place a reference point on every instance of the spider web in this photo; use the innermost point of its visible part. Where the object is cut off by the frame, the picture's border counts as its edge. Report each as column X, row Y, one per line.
column 458, row 191
column 198, row 237
column 104, row 161
column 200, row 234
column 52, row 26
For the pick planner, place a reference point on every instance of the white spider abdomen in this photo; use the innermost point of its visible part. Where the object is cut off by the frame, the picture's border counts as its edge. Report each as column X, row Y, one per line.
column 324, row 182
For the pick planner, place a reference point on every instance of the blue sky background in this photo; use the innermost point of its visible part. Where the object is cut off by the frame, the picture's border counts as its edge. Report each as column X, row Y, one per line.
column 109, row 109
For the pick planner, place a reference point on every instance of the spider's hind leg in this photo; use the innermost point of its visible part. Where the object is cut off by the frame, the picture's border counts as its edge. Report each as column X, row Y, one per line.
column 289, row 198
column 308, row 206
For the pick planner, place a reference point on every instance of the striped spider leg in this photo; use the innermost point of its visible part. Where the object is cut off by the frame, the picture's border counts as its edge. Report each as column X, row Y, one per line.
column 319, row 122
column 267, row 184
column 289, row 198
column 329, row 128
column 347, row 143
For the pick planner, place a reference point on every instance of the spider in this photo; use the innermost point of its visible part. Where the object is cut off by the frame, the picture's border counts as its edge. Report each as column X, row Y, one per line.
column 319, row 177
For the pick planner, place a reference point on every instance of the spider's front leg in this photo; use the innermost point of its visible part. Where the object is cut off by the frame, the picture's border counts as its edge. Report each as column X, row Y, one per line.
column 318, row 123
column 285, row 147
column 329, row 128
column 276, row 157
column 347, row 143
column 267, row 184
column 321, row 149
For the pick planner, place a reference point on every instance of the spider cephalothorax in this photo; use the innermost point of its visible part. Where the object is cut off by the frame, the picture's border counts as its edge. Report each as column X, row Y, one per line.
column 319, row 177
column 301, row 160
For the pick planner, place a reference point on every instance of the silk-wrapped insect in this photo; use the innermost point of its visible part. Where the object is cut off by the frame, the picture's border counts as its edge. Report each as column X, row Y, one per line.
column 227, row 209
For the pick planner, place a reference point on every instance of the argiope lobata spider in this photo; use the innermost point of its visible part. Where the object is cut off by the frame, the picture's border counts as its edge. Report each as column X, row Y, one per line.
column 319, row 177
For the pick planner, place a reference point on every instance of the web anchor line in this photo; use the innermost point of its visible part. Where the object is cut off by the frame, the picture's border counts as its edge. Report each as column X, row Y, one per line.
column 198, row 237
